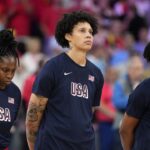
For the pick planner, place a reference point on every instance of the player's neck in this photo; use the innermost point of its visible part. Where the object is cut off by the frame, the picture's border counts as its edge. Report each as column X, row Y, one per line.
column 78, row 57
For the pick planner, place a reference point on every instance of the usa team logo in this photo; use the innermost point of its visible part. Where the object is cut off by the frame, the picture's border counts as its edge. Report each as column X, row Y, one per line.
column 79, row 90
column 11, row 100
column 5, row 115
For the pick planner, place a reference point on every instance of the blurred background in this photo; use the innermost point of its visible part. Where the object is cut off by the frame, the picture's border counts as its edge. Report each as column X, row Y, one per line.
column 124, row 31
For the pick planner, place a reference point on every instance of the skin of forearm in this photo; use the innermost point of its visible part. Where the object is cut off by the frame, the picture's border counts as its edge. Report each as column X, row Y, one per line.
column 33, row 119
column 31, row 132
column 127, row 139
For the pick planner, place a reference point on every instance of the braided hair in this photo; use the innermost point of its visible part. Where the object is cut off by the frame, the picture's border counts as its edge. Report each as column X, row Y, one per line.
column 8, row 45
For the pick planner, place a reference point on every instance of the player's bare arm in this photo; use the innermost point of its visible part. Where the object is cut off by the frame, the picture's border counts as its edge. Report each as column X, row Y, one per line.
column 127, row 130
column 35, row 112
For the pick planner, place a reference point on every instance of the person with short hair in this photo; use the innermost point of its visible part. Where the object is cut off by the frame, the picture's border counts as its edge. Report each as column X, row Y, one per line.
column 10, row 96
column 135, row 125
column 66, row 90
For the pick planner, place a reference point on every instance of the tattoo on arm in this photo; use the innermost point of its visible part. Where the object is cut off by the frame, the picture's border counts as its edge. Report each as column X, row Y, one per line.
column 34, row 115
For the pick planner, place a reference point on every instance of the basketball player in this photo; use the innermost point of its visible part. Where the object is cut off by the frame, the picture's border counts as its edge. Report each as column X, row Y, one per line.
column 135, row 126
column 59, row 115
column 10, row 96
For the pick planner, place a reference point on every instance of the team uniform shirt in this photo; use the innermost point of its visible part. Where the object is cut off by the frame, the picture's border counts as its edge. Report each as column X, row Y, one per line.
column 10, row 99
column 71, row 90
column 139, row 107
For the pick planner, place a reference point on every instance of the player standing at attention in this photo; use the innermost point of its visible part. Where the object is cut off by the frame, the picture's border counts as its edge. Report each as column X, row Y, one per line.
column 10, row 96
column 135, row 126
column 59, row 115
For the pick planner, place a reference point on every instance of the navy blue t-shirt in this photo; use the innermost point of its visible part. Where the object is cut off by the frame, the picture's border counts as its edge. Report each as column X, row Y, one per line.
column 71, row 90
column 10, row 99
column 139, row 107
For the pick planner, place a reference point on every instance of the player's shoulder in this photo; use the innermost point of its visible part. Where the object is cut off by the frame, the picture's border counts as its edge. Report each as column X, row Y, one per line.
column 96, row 72
column 13, row 89
column 143, row 87
column 144, row 84
column 52, row 63
column 94, row 68
column 13, row 86
column 55, row 60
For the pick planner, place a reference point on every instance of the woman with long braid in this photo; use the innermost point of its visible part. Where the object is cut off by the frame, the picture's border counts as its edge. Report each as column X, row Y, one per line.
column 10, row 96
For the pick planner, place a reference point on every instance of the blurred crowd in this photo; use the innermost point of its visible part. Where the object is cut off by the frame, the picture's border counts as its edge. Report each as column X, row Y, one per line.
column 124, row 31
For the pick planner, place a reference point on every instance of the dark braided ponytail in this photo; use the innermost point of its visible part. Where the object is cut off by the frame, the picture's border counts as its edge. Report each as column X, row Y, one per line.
column 8, row 45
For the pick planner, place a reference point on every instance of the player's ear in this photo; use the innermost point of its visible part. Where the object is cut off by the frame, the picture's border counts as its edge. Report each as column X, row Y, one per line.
column 68, row 37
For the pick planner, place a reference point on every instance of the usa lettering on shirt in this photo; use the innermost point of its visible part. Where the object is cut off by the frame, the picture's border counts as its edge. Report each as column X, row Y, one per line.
column 5, row 114
column 79, row 90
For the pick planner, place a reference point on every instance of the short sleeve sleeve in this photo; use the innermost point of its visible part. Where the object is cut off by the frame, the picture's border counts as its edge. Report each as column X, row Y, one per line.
column 98, row 92
column 137, row 103
column 44, row 82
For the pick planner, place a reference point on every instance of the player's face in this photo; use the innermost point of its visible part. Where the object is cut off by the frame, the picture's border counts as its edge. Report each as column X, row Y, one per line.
column 7, row 69
column 81, row 37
